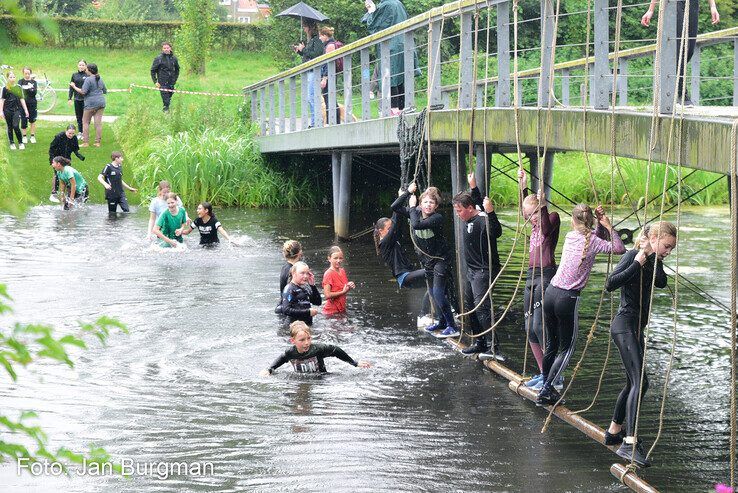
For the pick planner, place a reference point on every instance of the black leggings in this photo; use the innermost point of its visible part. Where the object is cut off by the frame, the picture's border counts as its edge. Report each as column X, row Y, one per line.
column 631, row 353
column 79, row 110
column 12, row 120
column 475, row 292
column 533, row 302
column 561, row 309
column 694, row 12
column 436, row 273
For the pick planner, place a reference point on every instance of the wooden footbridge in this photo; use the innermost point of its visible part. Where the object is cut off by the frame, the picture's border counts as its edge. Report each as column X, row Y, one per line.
column 460, row 65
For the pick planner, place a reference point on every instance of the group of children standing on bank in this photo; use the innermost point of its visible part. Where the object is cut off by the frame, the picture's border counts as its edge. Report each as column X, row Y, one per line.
column 551, row 298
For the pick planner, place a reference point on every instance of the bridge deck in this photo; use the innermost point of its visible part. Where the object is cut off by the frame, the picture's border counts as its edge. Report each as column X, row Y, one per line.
column 706, row 133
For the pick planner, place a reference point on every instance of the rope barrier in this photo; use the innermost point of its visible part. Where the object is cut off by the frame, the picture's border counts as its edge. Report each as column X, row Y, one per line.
column 178, row 91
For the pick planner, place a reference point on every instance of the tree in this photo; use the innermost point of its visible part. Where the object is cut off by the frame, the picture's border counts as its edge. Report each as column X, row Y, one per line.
column 195, row 37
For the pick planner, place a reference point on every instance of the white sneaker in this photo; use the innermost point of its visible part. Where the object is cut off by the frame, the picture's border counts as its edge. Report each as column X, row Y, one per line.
column 54, row 198
column 25, row 140
column 79, row 135
column 12, row 147
column 21, row 146
column 33, row 139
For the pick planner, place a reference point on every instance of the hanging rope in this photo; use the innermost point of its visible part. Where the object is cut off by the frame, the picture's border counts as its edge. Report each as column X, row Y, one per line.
column 411, row 139
column 734, row 286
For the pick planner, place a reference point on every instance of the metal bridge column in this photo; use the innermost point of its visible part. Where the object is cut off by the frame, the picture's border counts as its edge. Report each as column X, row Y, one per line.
column 466, row 58
column 668, row 59
column 547, row 37
column 548, row 162
column 344, row 199
column 336, row 171
column 602, row 83
column 481, row 170
column 502, row 93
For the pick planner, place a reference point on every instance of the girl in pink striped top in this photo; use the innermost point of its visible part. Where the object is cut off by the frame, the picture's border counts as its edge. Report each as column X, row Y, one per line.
column 561, row 301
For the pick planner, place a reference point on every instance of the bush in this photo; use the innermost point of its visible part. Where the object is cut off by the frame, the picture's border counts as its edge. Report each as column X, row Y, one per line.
column 74, row 32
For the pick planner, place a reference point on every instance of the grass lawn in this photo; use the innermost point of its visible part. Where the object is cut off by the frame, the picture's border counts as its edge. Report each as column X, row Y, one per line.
column 228, row 72
column 33, row 167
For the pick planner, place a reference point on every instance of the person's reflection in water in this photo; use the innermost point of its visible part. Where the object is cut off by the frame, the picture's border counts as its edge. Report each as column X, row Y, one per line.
column 301, row 404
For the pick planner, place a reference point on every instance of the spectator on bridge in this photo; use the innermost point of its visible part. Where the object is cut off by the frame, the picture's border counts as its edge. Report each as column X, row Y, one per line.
column 378, row 17
column 313, row 49
column 165, row 72
column 78, row 79
column 93, row 90
column 694, row 11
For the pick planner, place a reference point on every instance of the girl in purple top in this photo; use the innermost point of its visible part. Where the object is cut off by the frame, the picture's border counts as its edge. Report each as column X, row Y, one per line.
column 541, row 268
column 561, row 301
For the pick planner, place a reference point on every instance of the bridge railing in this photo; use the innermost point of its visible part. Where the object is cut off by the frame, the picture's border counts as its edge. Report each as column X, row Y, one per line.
column 430, row 59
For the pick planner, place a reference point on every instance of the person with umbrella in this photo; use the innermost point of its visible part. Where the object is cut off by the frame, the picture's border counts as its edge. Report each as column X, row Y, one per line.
column 378, row 17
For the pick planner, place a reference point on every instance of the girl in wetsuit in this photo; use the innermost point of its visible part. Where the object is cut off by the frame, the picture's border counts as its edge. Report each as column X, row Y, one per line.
column 307, row 357
column 634, row 276
column 292, row 252
column 435, row 256
column 300, row 294
column 561, row 300
column 335, row 283
column 541, row 268
column 207, row 225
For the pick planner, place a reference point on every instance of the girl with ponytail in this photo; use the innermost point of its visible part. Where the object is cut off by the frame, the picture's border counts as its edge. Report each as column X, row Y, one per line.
column 561, row 300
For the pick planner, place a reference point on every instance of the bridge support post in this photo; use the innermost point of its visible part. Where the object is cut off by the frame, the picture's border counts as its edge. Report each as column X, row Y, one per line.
column 336, row 173
column 668, row 59
column 548, row 162
column 502, row 93
column 341, row 217
column 602, row 83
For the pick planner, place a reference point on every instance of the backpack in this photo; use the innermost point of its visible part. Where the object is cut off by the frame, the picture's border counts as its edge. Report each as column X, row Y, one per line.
column 339, row 61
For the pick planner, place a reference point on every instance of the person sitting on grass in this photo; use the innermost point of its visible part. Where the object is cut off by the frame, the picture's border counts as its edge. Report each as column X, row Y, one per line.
column 307, row 357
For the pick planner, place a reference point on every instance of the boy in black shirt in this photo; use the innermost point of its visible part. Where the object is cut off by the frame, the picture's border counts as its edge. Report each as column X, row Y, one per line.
column 307, row 357
column 482, row 261
column 111, row 177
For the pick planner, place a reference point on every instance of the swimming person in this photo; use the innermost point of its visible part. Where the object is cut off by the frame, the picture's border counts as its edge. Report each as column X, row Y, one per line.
column 292, row 252
column 335, row 283
column 159, row 205
column 74, row 190
column 482, row 264
column 634, row 276
column 544, row 236
column 170, row 222
column 387, row 242
column 64, row 144
column 307, row 357
column 207, row 225
column 300, row 294
column 111, row 177
column 561, row 301
column 435, row 256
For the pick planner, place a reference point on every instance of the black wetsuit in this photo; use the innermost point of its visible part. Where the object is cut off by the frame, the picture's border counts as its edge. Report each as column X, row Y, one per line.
column 116, row 195
column 435, row 256
column 30, row 89
column 297, row 301
column 393, row 254
column 634, row 282
column 312, row 360
column 482, row 259
column 65, row 147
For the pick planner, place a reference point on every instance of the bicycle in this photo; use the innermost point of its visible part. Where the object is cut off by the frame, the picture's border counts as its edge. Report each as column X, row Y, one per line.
column 46, row 95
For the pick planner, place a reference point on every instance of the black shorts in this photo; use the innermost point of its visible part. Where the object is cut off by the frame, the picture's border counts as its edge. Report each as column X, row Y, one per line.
column 32, row 114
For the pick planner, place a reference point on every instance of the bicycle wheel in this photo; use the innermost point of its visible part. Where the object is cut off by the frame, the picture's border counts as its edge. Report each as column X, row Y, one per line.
column 46, row 97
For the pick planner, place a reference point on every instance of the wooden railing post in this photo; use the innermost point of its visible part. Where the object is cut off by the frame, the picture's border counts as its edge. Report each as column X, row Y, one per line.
column 565, row 86
column 602, row 83
column 348, row 102
column 317, row 99
column 409, row 63
column 668, row 59
column 385, row 76
column 270, row 95
column 623, row 81
column 695, row 76
column 254, row 114
column 502, row 94
column 304, row 108
column 735, row 72
column 332, row 99
column 547, row 36
column 466, row 58
column 262, row 111
column 434, row 63
column 293, row 104
column 366, row 84
column 280, row 98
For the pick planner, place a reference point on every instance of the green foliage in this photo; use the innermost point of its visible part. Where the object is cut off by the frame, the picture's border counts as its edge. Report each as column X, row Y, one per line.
column 205, row 155
column 71, row 31
column 14, row 196
column 24, row 345
column 127, row 10
column 16, row 26
column 196, row 34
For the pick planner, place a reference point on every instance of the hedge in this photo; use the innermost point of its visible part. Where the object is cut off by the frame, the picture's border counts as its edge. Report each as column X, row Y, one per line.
column 75, row 32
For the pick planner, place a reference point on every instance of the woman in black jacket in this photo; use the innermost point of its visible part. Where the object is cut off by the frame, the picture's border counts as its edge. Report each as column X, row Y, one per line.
column 64, row 144
column 78, row 78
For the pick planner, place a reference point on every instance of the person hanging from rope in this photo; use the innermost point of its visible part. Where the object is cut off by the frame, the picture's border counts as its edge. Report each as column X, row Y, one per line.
column 692, row 26
column 482, row 264
column 561, row 300
column 435, row 256
column 541, row 268
column 388, row 243
column 634, row 276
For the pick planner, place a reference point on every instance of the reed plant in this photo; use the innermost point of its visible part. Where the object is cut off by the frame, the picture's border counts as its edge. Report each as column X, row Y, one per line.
column 14, row 196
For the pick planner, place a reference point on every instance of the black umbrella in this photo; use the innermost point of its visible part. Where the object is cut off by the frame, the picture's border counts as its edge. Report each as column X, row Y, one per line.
column 303, row 11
